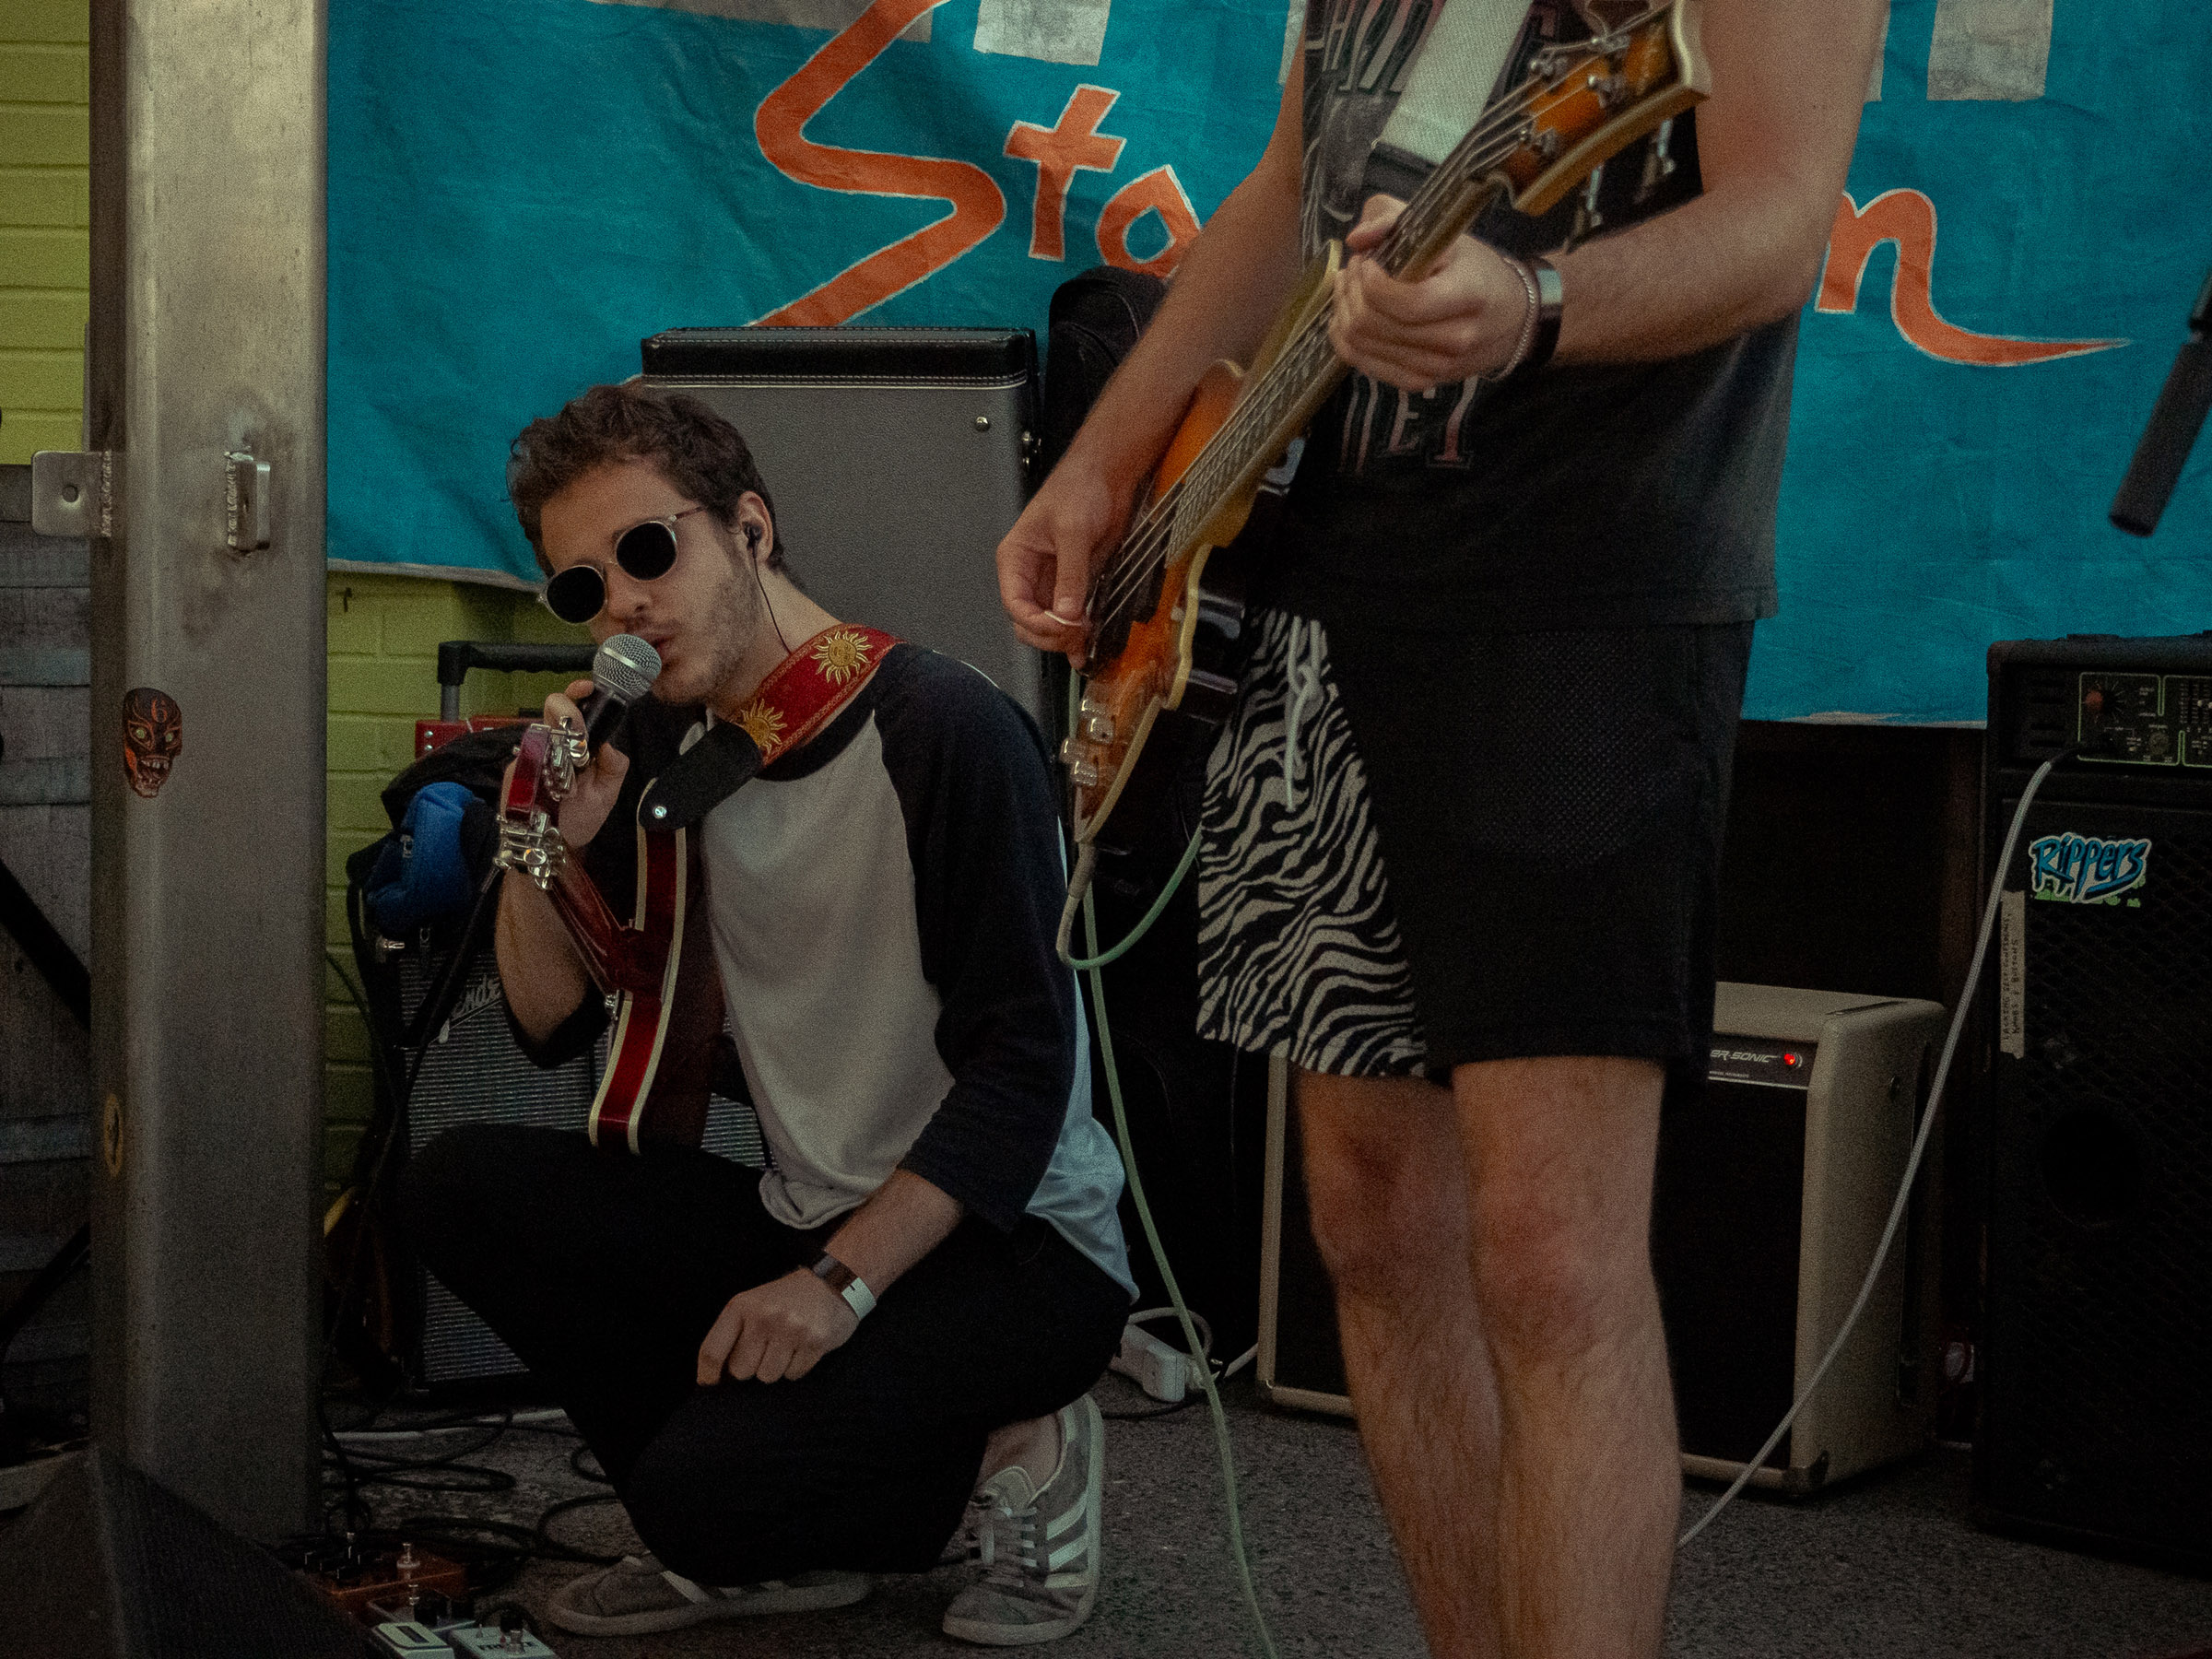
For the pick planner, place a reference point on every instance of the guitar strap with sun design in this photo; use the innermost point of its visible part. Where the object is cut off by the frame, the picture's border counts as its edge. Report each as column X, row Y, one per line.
column 806, row 691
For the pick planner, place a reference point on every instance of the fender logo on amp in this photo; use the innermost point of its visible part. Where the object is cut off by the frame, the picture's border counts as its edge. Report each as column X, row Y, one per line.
column 2088, row 869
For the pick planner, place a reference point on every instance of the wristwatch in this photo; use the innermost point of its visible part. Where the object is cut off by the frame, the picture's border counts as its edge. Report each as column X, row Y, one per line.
column 846, row 1283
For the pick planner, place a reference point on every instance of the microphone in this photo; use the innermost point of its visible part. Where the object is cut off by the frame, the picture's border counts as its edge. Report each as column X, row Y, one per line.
column 2167, row 441
column 623, row 671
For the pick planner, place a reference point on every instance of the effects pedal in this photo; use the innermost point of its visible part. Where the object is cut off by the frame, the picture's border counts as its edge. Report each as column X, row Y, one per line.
column 509, row 1639
column 411, row 1641
column 360, row 1579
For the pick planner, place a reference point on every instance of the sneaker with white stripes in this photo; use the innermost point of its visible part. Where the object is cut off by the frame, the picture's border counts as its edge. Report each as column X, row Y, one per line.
column 1040, row 1549
column 638, row 1597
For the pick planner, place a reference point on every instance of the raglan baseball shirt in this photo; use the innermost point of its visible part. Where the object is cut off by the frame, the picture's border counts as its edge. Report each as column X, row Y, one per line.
column 884, row 904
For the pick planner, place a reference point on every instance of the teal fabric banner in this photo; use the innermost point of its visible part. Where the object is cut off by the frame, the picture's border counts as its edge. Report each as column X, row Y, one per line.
column 519, row 194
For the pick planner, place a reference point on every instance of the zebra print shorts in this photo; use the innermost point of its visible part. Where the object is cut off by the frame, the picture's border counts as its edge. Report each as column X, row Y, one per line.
column 1299, row 950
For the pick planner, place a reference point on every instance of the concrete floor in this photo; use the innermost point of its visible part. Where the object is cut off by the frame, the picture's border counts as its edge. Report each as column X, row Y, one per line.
column 1888, row 1564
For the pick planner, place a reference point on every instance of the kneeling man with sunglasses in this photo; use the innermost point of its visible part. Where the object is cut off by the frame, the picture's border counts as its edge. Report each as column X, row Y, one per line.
column 802, row 1377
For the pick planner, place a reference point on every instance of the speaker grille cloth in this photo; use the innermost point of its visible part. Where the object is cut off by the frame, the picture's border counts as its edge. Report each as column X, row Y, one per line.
column 2101, row 1222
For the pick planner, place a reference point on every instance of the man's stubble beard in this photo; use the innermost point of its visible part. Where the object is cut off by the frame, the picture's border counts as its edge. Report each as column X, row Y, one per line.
column 716, row 646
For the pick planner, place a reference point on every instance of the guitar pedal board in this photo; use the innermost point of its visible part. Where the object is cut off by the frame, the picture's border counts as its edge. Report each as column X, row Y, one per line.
column 370, row 1582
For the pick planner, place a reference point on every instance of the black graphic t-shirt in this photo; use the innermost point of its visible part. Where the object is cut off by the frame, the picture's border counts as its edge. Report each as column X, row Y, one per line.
column 1591, row 495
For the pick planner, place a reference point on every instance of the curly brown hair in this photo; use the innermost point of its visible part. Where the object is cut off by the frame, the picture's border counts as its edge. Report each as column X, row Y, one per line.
column 701, row 454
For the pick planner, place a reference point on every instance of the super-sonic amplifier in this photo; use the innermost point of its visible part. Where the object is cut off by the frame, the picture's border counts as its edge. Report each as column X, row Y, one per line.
column 2096, row 1422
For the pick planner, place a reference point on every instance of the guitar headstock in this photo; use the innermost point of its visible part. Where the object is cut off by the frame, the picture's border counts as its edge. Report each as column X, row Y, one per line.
column 545, row 768
column 1585, row 102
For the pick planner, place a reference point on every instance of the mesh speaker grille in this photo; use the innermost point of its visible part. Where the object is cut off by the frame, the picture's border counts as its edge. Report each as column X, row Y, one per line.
column 2096, row 1415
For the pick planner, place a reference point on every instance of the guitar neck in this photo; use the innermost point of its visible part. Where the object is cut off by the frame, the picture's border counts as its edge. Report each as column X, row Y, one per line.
column 1581, row 104
column 1281, row 400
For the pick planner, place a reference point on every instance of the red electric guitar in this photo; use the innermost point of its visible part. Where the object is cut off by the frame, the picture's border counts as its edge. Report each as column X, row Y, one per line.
column 1162, row 633
column 657, row 970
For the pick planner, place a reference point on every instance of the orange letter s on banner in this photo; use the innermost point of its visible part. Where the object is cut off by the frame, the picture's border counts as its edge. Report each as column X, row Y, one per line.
column 1908, row 218
column 978, row 206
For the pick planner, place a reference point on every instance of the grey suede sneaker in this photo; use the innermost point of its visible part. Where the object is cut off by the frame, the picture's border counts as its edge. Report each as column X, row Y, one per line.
column 638, row 1597
column 1040, row 1549
column 963, row 1544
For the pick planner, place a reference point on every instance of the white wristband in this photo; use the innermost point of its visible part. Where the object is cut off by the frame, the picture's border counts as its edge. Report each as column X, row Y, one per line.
column 847, row 1284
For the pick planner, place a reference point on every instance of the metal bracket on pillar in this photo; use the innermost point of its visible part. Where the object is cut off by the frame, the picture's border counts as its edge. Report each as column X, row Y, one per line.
column 245, row 502
column 72, row 493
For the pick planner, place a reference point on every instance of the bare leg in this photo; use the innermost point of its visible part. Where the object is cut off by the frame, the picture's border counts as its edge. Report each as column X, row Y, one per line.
column 1559, row 1160
column 1034, row 1445
column 1383, row 1173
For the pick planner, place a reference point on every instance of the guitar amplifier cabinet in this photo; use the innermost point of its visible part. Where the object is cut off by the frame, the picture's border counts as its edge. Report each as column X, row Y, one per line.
column 896, row 458
column 475, row 1072
column 1773, row 1184
column 2095, row 1419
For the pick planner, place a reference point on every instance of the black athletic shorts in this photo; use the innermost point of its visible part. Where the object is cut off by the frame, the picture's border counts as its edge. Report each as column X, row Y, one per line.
column 1423, row 853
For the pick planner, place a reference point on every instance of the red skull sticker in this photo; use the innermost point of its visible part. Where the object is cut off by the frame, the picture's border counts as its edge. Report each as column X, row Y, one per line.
column 153, row 736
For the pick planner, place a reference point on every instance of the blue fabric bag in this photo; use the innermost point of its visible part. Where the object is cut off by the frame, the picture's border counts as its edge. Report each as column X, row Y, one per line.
column 422, row 873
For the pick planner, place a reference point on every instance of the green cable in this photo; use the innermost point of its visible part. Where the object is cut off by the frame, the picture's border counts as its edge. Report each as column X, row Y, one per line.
column 1159, row 1254
column 1092, row 963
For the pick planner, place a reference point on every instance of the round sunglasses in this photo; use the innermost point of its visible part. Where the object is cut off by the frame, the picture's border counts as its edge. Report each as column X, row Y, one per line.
column 644, row 551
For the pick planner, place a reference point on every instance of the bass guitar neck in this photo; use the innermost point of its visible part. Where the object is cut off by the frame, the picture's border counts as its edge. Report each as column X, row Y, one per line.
column 1162, row 633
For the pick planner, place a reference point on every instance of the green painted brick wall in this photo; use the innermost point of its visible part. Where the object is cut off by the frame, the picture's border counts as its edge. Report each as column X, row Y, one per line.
column 44, row 215
column 385, row 634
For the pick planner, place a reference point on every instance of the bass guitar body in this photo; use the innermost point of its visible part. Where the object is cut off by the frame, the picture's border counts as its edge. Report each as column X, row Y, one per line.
column 659, row 1060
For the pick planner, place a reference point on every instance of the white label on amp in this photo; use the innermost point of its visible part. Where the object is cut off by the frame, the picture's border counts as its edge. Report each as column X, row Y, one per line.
column 2012, row 974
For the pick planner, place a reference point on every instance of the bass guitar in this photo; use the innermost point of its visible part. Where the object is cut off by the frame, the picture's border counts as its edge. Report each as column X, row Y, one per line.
column 1162, row 633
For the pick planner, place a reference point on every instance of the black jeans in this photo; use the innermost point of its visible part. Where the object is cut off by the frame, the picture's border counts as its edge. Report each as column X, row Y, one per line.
column 604, row 1273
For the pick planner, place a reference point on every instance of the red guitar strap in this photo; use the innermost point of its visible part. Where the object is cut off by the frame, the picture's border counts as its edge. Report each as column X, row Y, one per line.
column 658, row 1078
column 804, row 692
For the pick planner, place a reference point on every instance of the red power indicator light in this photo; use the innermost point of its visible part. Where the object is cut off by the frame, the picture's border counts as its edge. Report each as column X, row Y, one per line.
column 1792, row 1061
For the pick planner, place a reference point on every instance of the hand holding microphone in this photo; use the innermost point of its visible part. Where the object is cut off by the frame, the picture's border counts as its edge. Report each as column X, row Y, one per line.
column 592, row 710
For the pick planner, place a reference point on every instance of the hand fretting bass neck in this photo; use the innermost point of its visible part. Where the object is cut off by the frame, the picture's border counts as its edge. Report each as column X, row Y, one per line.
column 1161, row 633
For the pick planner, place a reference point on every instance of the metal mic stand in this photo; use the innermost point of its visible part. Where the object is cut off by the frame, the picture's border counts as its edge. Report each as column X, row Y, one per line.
column 2166, row 441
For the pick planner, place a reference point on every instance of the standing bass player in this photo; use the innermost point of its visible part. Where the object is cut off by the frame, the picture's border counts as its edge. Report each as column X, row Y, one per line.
column 1463, row 829
column 797, row 1378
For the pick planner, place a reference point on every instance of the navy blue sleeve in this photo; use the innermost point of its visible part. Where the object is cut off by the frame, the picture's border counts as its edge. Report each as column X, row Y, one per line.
column 983, row 833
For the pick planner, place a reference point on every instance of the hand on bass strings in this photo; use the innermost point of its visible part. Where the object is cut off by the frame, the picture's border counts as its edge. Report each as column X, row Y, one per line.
column 776, row 1332
column 592, row 796
column 1045, row 561
column 1463, row 319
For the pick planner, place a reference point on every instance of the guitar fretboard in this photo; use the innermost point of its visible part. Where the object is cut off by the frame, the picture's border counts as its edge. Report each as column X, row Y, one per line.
column 1283, row 397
